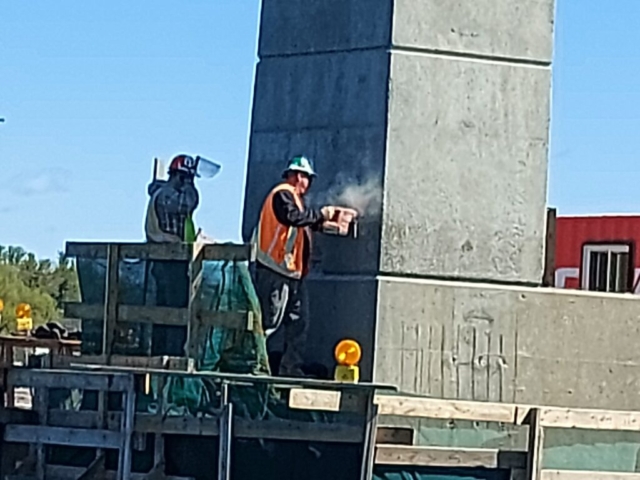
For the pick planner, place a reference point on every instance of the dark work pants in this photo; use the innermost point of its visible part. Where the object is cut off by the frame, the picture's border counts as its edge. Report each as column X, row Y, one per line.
column 284, row 304
column 172, row 282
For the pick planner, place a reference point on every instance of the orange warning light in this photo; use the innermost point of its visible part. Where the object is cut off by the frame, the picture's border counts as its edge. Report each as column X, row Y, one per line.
column 23, row 310
column 348, row 353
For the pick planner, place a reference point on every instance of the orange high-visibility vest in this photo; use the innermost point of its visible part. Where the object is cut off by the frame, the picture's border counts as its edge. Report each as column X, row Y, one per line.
column 278, row 246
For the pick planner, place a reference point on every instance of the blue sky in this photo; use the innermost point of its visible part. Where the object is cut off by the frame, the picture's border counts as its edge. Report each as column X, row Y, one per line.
column 93, row 91
column 595, row 146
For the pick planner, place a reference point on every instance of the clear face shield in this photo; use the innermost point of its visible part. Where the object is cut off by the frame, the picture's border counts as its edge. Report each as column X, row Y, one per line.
column 207, row 168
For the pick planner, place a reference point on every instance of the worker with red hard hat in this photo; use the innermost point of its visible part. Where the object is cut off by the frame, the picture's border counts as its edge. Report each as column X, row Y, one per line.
column 173, row 202
column 169, row 219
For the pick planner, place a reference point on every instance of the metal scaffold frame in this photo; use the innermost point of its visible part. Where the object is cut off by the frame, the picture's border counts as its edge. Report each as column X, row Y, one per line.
column 103, row 429
column 383, row 444
column 372, row 409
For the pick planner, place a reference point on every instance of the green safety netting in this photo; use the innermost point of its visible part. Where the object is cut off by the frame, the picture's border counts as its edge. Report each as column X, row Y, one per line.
column 226, row 286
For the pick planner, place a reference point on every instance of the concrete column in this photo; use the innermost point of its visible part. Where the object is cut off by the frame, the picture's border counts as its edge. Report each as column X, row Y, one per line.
column 442, row 107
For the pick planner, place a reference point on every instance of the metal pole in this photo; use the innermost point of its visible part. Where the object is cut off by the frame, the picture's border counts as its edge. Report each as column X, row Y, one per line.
column 535, row 445
column 369, row 445
column 126, row 430
column 226, row 424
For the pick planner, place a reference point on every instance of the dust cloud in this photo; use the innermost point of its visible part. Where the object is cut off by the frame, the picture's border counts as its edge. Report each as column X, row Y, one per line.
column 364, row 195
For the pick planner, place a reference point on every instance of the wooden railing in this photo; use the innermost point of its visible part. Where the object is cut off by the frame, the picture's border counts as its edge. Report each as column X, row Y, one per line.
column 102, row 429
column 112, row 311
column 98, row 435
column 395, row 445
column 385, row 443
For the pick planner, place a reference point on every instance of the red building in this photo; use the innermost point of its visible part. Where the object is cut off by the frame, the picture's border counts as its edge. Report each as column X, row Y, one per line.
column 598, row 253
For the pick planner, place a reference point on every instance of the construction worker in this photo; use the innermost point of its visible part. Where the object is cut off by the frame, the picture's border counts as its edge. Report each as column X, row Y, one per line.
column 172, row 203
column 169, row 219
column 283, row 249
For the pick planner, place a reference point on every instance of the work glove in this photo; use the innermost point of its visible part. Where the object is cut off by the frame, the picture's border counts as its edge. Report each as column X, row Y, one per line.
column 328, row 212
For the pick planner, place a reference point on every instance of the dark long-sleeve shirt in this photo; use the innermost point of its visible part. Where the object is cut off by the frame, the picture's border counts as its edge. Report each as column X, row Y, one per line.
column 287, row 212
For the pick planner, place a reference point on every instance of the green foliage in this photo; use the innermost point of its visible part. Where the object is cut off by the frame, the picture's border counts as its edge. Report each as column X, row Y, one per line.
column 43, row 284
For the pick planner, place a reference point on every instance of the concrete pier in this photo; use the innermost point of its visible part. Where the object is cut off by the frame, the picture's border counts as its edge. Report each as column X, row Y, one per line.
column 444, row 108
column 509, row 344
column 444, row 105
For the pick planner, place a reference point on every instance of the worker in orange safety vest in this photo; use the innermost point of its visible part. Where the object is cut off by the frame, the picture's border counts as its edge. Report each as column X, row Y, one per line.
column 283, row 248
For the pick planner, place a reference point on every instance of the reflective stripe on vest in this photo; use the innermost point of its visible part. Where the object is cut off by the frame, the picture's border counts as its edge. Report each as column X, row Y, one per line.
column 279, row 247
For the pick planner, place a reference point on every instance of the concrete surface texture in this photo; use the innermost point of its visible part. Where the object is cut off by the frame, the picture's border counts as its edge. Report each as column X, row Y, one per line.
column 333, row 109
column 506, row 29
column 342, row 308
column 465, row 184
column 290, row 27
column 509, row 344
column 466, row 165
column 444, row 107
column 440, row 112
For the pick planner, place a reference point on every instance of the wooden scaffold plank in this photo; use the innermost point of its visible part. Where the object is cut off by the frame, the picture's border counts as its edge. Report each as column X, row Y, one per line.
column 590, row 419
column 161, row 315
column 228, row 252
column 268, row 429
column 318, row 400
column 156, row 251
column 586, row 475
column 448, row 457
column 86, row 250
column 125, row 361
column 111, row 299
column 60, row 472
column 79, row 437
column 70, row 379
column 445, row 409
column 162, row 251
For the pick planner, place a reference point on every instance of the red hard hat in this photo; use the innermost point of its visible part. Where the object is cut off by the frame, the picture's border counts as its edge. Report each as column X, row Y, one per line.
column 184, row 163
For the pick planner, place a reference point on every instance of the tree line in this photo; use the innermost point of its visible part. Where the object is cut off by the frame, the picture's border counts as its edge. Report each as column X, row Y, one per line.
column 43, row 284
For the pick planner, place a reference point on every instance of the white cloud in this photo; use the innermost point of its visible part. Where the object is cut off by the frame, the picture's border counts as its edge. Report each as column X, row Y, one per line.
column 49, row 182
column 35, row 184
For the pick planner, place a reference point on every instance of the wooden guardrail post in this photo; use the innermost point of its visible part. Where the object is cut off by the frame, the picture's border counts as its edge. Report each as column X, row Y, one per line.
column 194, row 320
column 127, row 423
column 42, row 406
column 111, row 299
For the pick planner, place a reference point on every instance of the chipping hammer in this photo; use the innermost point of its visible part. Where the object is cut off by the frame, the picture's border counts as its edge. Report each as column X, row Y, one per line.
column 343, row 223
